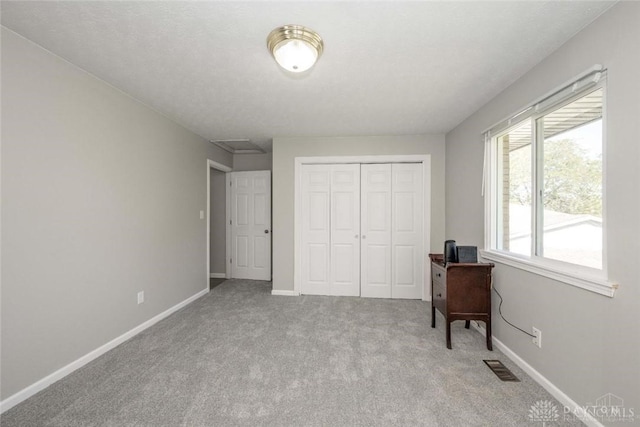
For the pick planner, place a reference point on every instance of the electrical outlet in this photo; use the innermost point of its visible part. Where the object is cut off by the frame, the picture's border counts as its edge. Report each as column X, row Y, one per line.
column 140, row 297
column 537, row 339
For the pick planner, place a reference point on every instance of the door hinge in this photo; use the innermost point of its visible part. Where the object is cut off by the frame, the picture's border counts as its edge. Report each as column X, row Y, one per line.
column 230, row 222
column 230, row 260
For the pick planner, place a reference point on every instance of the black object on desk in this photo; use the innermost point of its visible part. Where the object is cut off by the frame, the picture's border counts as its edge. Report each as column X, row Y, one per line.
column 467, row 254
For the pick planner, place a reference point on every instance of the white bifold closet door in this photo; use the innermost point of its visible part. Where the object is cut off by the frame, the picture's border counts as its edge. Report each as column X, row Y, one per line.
column 362, row 230
column 392, row 231
column 375, row 264
column 407, row 233
column 331, row 228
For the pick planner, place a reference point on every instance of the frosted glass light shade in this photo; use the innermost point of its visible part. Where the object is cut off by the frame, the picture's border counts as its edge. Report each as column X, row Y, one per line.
column 295, row 55
column 295, row 48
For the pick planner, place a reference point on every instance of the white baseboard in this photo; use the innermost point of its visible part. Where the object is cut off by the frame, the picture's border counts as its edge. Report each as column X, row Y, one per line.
column 542, row 380
column 284, row 293
column 45, row 382
column 218, row 275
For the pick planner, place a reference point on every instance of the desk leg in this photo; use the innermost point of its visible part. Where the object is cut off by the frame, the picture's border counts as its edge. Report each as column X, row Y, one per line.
column 489, row 343
column 448, row 334
column 433, row 316
column 467, row 323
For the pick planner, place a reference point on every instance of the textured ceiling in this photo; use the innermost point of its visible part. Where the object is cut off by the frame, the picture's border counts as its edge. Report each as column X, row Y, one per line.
column 389, row 68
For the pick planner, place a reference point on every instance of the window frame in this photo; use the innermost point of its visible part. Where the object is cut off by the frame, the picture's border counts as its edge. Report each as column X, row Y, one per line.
column 591, row 279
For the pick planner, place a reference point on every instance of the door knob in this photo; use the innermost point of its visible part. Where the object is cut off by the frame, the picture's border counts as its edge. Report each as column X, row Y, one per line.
column 364, row 237
column 266, row 231
column 356, row 236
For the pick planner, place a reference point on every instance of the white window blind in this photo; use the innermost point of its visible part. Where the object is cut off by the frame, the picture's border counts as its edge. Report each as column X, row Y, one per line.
column 582, row 81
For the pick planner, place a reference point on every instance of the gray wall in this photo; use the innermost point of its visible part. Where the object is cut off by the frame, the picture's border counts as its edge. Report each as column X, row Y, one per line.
column 217, row 227
column 285, row 150
column 101, row 199
column 591, row 343
column 252, row 162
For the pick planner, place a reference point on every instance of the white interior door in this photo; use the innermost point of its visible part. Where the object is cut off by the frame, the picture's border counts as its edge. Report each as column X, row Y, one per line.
column 407, row 231
column 251, row 225
column 345, row 230
column 376, row 231
column 315, row 250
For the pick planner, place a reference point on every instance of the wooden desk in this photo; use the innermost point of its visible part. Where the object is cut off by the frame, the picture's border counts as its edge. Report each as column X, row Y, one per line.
column 461, row 291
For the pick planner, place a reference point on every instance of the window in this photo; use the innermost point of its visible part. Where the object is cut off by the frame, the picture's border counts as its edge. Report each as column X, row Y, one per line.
column 545, row 196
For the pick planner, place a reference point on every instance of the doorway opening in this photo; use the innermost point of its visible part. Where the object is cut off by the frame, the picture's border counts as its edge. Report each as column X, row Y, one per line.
column 238, row 224
column 217, row 219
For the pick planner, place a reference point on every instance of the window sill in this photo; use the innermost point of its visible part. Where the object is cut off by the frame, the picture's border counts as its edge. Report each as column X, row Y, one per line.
column 590, row 283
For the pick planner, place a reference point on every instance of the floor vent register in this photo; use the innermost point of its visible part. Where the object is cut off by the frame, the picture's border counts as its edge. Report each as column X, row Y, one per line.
column 500, row 370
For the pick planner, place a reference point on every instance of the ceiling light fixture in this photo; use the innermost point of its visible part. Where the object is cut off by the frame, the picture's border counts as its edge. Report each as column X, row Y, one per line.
column 294, row 47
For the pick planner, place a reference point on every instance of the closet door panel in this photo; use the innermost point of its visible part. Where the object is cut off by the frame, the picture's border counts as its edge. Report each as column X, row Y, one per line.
column 316, row 198
column 376, row 231
column 404, row 265
column 407, row 231
column 345, row 227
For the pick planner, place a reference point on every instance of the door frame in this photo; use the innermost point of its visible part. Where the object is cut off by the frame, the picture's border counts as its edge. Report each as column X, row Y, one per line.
column 424, row 159
column 226, row 169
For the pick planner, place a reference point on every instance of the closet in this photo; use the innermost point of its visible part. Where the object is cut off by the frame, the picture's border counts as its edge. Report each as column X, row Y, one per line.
column 362, row 230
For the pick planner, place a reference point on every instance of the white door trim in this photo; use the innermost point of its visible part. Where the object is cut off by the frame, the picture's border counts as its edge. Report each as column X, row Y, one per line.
column 425, row 159
column 223, row 168
column 227, row 221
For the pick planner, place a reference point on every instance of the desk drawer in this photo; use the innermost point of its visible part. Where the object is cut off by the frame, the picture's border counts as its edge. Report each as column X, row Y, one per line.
column 438, row 274
column 439, row 297
column 439, row 291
